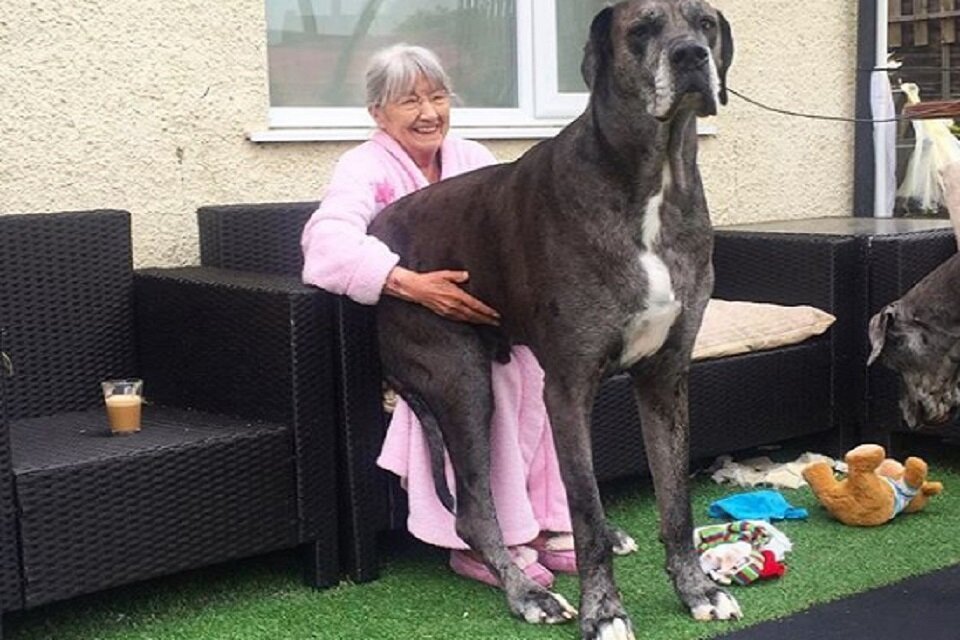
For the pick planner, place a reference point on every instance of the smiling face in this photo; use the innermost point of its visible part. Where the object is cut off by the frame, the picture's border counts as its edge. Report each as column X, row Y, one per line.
column 418, row 121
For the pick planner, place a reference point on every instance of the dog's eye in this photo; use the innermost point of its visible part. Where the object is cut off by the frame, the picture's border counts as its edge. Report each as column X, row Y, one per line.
column 637, row 38
column 640, row 34
column 641, row 31
column 708, row 24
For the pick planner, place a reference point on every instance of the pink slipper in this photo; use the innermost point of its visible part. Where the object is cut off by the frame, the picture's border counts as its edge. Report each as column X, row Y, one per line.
column 555, row 552
column 465, row 565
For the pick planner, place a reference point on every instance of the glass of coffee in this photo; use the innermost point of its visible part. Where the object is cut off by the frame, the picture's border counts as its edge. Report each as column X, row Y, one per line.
column 123, row 399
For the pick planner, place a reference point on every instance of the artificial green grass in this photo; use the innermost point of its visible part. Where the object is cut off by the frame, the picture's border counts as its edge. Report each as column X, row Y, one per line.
column 417, row 597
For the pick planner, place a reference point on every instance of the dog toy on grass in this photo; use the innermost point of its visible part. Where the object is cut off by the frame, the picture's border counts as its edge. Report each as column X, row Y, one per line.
column 875, row 489
column 741, row 552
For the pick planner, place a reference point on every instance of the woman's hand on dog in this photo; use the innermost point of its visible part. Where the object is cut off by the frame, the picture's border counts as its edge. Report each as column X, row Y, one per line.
column 440, row 292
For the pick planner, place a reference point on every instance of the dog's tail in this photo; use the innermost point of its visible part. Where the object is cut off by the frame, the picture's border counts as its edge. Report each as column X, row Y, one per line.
column 434, row 437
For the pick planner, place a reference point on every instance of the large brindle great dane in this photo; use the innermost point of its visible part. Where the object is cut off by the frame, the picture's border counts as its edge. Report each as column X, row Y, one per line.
column 596, row 248
column 919, row 337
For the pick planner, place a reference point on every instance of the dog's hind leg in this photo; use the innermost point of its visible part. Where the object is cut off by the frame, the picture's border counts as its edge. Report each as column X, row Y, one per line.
column 661, row 390
column 445, row 365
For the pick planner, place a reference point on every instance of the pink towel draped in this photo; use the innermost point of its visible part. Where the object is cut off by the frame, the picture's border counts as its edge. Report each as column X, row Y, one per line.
column 527, row 488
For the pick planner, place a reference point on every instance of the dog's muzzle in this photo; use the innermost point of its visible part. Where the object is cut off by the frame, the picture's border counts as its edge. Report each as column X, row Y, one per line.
column 694, row 83
column 926, row 406
column 689, row 57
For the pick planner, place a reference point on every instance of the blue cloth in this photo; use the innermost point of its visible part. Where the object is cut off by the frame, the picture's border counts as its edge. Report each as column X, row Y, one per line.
column 755, row 505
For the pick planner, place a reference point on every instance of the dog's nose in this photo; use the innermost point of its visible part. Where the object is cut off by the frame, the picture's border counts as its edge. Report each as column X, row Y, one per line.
column 688, row 57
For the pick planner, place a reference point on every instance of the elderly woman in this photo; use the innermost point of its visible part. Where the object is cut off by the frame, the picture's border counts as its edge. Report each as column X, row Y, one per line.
column 408, row 95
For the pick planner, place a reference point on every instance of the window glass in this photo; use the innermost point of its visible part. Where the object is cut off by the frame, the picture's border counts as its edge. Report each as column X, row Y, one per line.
column 318, row 49
column 573, row 29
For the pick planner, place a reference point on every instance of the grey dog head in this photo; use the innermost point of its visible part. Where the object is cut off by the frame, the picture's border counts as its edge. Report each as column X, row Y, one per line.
column 671, row 55
column 927, row 357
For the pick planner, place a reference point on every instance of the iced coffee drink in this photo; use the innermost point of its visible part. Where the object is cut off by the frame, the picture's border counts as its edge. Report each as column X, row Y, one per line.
column 124, row 399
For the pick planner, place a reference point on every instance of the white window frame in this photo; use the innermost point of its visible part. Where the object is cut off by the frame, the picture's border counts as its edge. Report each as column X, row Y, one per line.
column 542, row 109
column 550, row 102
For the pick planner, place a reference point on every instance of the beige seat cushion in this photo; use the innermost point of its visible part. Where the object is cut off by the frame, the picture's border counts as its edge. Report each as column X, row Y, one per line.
column 730, row 328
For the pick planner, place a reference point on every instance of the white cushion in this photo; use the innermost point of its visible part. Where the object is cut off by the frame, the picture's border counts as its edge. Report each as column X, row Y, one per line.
column 730, row 328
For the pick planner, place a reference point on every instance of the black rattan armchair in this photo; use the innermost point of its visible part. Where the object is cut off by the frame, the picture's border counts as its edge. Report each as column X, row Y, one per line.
column 234, row 456
column 735, row 402
column 265, row 238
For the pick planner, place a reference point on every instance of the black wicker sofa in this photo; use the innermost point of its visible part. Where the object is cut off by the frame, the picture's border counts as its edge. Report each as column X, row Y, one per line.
column 736, row 402
column 892, row 255
column 232, row 459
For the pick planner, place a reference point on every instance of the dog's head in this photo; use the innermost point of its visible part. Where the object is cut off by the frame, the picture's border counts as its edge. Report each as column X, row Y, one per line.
column 926, row 356
column 664, row 55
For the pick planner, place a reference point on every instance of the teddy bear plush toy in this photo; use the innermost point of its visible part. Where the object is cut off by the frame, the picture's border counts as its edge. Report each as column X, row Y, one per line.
column 875, row 489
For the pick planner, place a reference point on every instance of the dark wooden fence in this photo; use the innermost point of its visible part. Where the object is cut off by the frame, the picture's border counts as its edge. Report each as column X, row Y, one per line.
column 923, row 34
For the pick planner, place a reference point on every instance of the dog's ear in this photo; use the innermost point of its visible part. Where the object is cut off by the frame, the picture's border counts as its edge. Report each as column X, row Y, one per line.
column 877, row 332
column 726, row 55
column 598, row 50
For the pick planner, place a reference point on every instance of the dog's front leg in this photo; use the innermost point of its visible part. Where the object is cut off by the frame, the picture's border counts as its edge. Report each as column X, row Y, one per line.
column 602, row 616
column 661, row 391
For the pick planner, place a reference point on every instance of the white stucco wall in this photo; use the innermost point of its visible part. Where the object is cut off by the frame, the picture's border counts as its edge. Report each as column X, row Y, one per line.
column 145, row 106
column 763, row 166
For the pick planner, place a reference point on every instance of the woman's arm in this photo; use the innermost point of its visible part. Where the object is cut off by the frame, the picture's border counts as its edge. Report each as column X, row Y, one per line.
column 338, row 253
column 341, row 257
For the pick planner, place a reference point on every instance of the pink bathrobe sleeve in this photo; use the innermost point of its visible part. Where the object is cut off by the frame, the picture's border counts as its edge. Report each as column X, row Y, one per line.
column 341, row 258
column 338, row 254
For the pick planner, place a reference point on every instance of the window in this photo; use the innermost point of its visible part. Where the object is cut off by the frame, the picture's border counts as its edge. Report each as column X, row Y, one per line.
column 925, row 43
column 560, row 90
column 515, row 64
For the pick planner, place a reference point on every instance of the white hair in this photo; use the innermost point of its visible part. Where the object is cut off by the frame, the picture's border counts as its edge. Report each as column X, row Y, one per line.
column 393, row 72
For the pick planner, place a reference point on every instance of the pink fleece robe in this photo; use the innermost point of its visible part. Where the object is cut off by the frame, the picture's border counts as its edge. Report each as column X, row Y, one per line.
column 340, row 257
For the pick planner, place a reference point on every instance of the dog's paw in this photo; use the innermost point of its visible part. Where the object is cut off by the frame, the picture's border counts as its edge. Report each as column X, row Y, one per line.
column 700, row 594
column 614, row 629
column 720, row 605
column 602, row 616
column 622, row 543
column 539, row 606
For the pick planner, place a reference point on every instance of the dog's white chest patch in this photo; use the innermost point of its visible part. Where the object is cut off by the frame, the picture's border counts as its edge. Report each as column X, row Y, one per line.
column 651, row 214
column 647, row 330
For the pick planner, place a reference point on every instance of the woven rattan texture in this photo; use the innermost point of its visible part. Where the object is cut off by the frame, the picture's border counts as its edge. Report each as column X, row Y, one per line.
column 10, row 592
column 236, row 357
column 362, row 431
column 226, row 239
column 60, row 272
column 194, row 487
column 778, row 268
column 190, row 489
column 898, row 262
column 812, row 269
column 266, row 238
column 257, row 347
column 735, row 403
